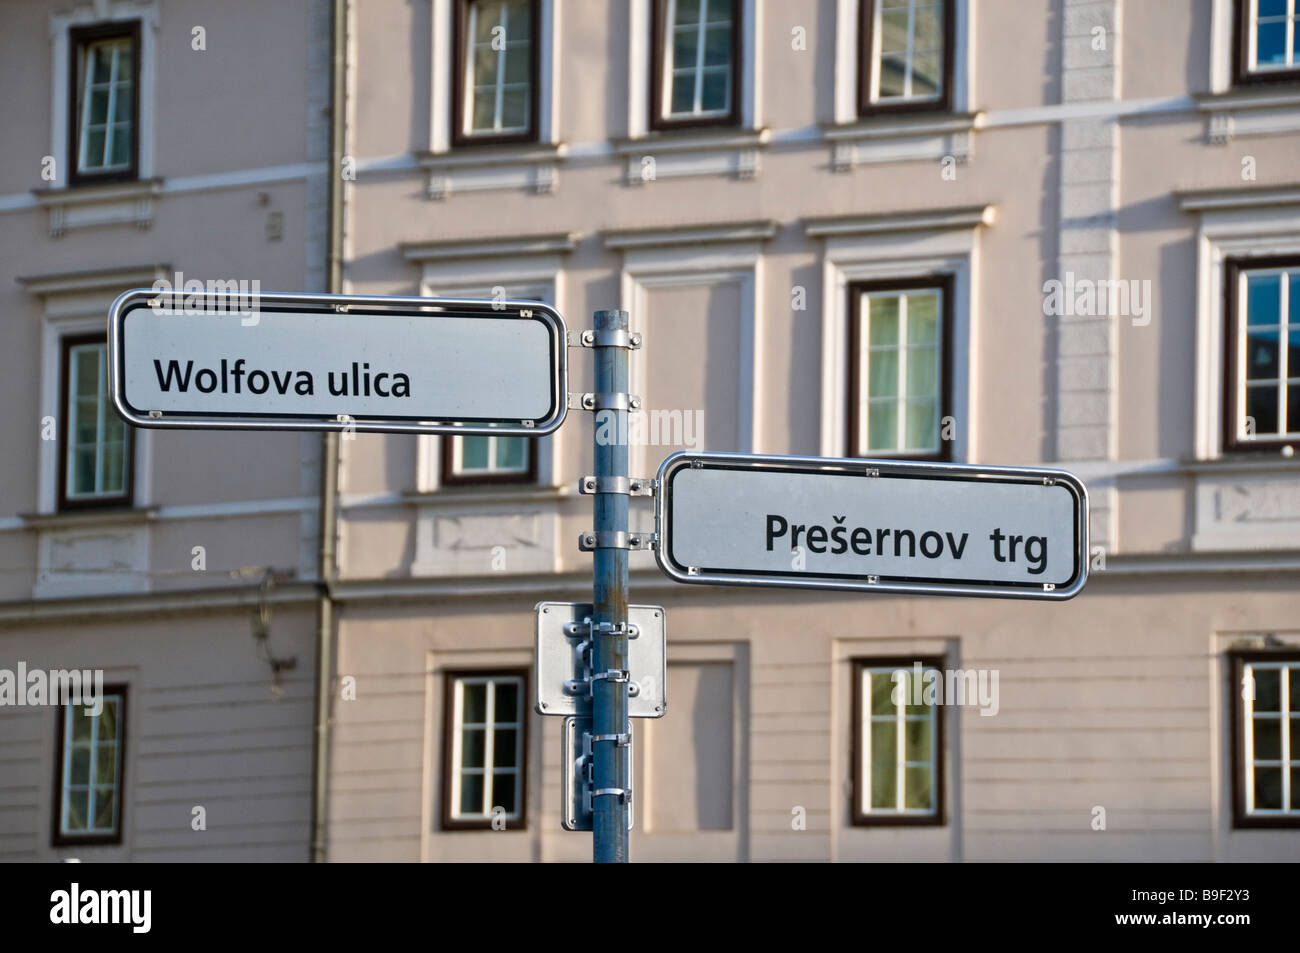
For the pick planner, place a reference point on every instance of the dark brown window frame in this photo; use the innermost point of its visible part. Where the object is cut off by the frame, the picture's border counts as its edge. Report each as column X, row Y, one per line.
column 943, row 281
column 460, row 27
column 1232, row 269
column 78, row 37
column 658, row 51
column 1242, row 75
column 1238, row 658
column 859, row 818
column 449, row 677
column 58, row 838
column 65, row 503
column 449, row 477
column 866, row 108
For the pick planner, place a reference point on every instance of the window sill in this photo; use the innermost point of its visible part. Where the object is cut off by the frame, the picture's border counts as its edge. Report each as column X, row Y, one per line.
column 89, row 517
column 489, row 166
column 891, row 137
column 90, row 206
column 675, row 153
column 1250, row 111
column 1262, row 461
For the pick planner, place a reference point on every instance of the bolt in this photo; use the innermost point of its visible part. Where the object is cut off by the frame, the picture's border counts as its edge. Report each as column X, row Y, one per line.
column 635, row 403
column 588, row 337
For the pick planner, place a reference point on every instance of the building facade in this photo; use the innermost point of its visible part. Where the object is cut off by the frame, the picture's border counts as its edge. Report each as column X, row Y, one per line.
column 844, row 228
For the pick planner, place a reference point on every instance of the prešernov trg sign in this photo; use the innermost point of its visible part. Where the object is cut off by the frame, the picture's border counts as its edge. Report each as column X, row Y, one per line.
column 327, row 362
column 808, row 522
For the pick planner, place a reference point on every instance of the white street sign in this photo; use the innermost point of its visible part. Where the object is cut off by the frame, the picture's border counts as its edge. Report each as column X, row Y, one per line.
column 336, row 362
column 814, row 523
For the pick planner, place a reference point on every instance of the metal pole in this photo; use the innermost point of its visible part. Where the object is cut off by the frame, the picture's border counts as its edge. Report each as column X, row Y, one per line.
column 609, row 652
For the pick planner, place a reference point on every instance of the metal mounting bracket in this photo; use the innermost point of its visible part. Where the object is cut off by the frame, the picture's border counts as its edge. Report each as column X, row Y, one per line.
column 627, row 339
column 603, row 401
column 604, row 539
column 627, row 486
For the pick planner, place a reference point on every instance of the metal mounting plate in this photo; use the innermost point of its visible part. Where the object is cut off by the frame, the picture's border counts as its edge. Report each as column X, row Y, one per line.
column 558, row 664
column 574, row 786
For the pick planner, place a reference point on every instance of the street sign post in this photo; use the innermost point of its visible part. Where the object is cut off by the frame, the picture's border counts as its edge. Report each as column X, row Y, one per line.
column 337, row 362
column 914, row 528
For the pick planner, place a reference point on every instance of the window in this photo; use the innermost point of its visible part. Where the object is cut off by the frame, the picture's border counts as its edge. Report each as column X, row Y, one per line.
column 89, row 771
column 95, row 445
column 900, row 368
column 897, row 744
column 484, row 749
column 488, row 459
column 1266, row 742
column 496, row 71
column 1266, row 41
column 1262, row 354
column 696, row 57
column 104, row 89
column 906, row 55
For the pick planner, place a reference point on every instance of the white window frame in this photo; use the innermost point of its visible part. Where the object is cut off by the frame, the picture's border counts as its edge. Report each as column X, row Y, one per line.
column 103, row 409
column 468, row 85
column 61, row 51
column 699, row 70
column 901, row 717
column 1286, row 709
column 1252, row 39
column 489, row 727
column 65, row 778
column 92, row 49
column 1288, row 321
column 457, row 461
column 901, row 396
column 874, row 63
column 442, row 86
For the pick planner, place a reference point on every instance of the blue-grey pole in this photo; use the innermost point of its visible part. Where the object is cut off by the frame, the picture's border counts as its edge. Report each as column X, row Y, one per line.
column 609, row 654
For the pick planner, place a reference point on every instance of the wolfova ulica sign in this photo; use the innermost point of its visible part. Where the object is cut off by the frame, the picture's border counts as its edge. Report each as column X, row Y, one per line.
column 320, row 362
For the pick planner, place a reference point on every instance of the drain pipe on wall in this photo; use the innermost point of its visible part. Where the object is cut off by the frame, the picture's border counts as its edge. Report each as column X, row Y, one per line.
column 329, row 451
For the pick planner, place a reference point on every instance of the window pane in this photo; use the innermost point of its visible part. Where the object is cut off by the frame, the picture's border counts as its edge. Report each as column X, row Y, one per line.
column 101, row 59
column 719, row 11
column 122, row 104
column 83, row 472
column 517, row 63
column 512, row 454
column 474, row 704
column 921, row 693
column 1295, row 788
column 1268, row 739
column 925, row 74
column 86, row 373
column 108, row 721
column 893, row 30
column 891, row 75
column 1268, row 788
column 916, row 788
column 882, row 314
column 717, row 46
column 923, row 372
column 106, row 764
column 686, row 45
column 474, row 453
column 503, row 792
column 114, row 472
column 80, row 765
column 882, row 689
column 85, row 424
column 917, row 742
column 683, row 94
column 485, row 67
column 1293, row 411
column 1263, row 298
column 76, row 810
column 1271, row 43
column 922, row 425
column 472, row 746
column 98, row 107
column 1262, row 355
column 105, row 808
column 483, row 111
column 1271, row 8
column 714, row 95
column 686, row 11
column 485, row 15
column 1293, row 342
column 882, row 425
column 518, row 20
column 80, row 725
column 503, row 748
column 471, row 793
column 884, row 770
column 882, row 373
column 1261, row 405
column 1294, row 690
column 514, row 108
column 929, row 28
column 923, row 318
column 507, row 703
column 1268, row 689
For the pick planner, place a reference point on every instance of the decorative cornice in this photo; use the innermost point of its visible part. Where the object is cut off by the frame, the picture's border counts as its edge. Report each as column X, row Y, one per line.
column 760, row 230
column 891, row 128
column 96, row 194
column 478, row 157
column 103, row 279
column 80, row 519
column 693, row 141
column 1205, row 200
column 970, row 216
column 556, row 243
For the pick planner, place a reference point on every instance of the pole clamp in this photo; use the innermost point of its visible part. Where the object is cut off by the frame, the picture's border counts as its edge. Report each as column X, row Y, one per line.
column 628, row 339
column 604, row 401
column 613, row 675
column 624, row 486
column 623, row 794
column 622, row 740
column 615, row 539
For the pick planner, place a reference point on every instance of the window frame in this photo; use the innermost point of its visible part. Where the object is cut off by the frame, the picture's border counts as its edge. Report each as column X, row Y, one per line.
column 78, row 38
column 449, row 721
column 1242, row 74
column 855, row 289
column 867, row 65
column 658, row 122
column 1241, row 818
column 57, row 837
column 449, row 476
column 460, row 37
column 1232, row 409
column 66, row 502
column 860, row 818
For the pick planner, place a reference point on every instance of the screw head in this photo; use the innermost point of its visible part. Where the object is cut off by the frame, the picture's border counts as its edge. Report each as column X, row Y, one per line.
column 588, row 337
